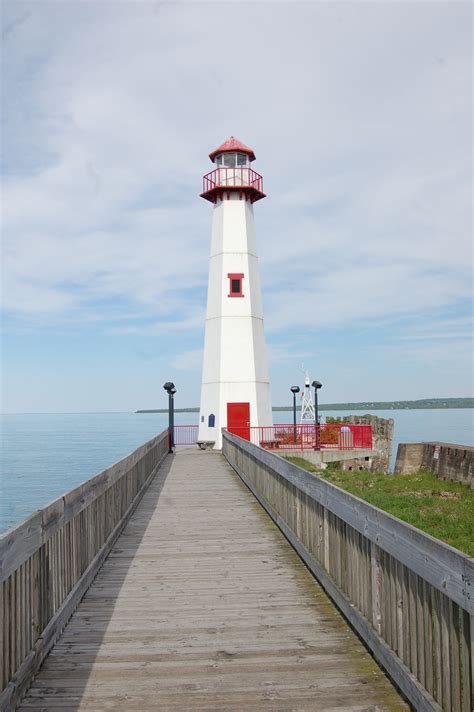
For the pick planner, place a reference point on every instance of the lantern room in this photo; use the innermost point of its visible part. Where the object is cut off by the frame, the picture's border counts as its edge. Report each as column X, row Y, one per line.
column 233, row 173
column 232, row 159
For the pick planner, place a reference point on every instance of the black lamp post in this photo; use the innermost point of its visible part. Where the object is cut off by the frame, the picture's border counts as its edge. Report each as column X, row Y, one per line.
column 171, row 390
column 316, row 385
column 294, row 390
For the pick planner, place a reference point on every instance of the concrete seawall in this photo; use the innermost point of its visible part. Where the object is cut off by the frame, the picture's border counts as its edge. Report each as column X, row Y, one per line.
column 445, row 460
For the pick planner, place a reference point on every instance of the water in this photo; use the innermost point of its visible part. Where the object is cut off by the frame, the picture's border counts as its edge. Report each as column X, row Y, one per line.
column 43, row 456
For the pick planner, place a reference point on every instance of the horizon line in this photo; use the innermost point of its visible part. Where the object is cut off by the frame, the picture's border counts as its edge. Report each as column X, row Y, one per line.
column 196, row 408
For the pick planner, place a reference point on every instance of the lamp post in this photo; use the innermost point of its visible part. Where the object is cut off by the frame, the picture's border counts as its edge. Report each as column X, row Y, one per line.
column 316, row 385
column 294, row 390
column 171, row 390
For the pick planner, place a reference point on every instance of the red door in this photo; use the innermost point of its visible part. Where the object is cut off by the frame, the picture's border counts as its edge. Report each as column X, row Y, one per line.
column 238, row 419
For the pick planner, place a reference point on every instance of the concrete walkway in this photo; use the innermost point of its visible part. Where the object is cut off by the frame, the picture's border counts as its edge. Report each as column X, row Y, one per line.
column 203, row 605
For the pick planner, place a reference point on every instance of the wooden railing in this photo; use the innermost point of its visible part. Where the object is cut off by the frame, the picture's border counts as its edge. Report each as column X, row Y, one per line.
column 49, row 561
column 408, row 595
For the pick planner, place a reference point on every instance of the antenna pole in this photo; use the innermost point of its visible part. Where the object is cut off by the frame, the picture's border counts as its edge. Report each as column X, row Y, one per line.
column 308, row 414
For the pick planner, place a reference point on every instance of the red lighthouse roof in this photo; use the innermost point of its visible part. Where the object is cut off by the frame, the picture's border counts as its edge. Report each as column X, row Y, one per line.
column 233, row 144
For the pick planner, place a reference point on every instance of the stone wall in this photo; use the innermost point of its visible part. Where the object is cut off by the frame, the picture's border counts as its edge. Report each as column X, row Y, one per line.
column 375, row 460
column 445, row 460
column 382, row 438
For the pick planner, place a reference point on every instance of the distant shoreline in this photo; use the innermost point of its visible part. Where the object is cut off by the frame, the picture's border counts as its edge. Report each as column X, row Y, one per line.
column 423, row 404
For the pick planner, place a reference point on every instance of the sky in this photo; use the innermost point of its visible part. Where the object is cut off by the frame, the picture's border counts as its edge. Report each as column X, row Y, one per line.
column 360, row 115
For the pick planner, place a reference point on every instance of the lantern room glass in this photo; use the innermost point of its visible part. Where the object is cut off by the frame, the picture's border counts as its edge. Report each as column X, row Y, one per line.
column 232, row 159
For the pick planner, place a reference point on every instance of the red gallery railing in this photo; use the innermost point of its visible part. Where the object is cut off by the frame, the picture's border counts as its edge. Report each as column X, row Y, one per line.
column 232, row 178
column 329, row 436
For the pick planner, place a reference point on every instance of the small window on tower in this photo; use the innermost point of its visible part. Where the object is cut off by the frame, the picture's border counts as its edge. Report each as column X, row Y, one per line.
column 241, row 159
column 235, row 284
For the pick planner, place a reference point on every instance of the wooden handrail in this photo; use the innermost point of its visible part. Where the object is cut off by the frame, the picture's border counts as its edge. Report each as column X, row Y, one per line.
column 50, row 559
column 409, row 596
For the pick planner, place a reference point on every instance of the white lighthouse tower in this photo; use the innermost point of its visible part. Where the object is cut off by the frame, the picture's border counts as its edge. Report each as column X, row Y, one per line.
column 235, row 390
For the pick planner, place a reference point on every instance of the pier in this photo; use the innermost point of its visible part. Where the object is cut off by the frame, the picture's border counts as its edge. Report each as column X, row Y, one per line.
column 208, row 580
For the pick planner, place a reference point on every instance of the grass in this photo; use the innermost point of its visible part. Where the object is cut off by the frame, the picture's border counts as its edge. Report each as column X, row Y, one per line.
column 441, row 508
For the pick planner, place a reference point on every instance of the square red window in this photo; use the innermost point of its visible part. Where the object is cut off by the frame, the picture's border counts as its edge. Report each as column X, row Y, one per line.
column 235, row 284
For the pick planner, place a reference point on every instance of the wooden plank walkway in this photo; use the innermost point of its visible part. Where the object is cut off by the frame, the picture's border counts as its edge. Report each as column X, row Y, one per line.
column 203, row 605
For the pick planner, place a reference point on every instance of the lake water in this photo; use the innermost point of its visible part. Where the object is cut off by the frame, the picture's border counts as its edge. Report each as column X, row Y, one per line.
column 43, row 456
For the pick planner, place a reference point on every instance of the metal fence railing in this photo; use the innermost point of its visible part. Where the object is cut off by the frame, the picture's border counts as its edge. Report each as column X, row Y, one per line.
column 232, row 178
column 335, row 436
column 185, row 434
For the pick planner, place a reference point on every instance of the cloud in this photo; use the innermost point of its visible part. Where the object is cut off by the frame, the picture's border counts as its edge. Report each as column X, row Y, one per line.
column 13, row 23
column 195, row 320
column 287, row 352
column 188, row 361
column 361, row 127
column 454, row 329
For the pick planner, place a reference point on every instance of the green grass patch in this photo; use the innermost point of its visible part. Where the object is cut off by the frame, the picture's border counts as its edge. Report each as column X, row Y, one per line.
column 441, row 508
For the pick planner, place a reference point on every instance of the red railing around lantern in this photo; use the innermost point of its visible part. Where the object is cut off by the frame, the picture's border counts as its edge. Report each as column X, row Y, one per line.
column 337, row 436
column 244, row 178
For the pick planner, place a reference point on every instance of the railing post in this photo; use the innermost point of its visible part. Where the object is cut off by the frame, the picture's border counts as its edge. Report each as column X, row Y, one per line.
column 471, row 617
column 376, row 581
column 326, row 538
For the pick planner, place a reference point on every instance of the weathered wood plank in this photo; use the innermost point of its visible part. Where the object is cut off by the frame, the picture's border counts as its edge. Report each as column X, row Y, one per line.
column 455, row 659
column 467, row 661
column 19, row 543
column 43, row 581
column 376, row 580
column 411, row 620
column 203, row 605
column 436, row 562
column 398, row 672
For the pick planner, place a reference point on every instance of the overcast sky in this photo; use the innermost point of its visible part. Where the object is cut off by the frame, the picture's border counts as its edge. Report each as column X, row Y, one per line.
column 360, row 117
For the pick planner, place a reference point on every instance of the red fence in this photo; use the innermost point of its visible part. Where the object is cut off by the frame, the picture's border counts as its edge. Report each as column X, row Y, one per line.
column 232, row 178
column 338, row 436
column 342, row 436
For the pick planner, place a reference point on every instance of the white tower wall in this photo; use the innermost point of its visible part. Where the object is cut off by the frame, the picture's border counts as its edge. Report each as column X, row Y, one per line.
column 235, row 361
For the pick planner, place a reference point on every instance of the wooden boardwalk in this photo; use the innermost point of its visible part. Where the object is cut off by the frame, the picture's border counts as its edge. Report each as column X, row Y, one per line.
column 203, row 605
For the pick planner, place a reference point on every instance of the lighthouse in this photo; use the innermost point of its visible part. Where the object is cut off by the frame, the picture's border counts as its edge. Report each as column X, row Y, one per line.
column 235, row 391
